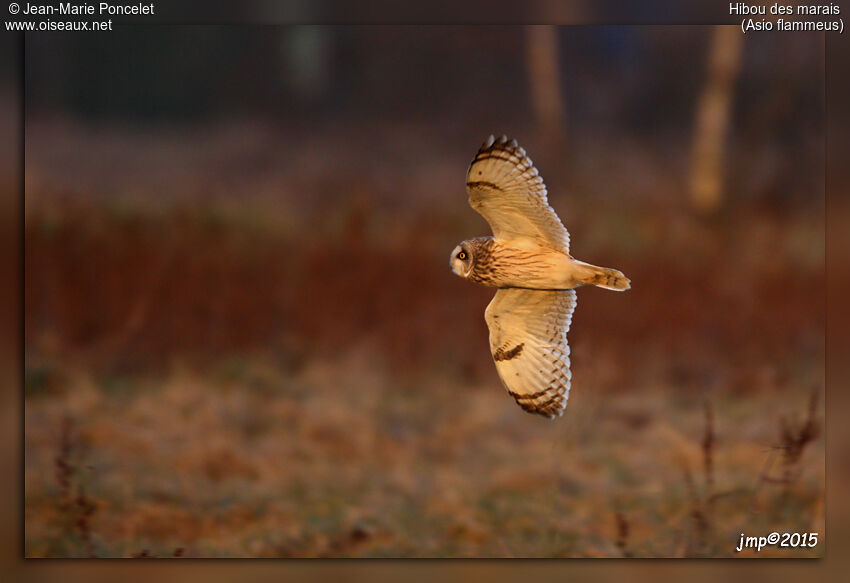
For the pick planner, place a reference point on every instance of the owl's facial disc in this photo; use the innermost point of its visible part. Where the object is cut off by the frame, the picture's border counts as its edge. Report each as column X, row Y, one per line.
column 461, row 261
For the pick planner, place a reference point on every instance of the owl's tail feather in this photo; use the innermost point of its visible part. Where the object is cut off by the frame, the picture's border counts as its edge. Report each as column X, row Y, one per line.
column 603, row 277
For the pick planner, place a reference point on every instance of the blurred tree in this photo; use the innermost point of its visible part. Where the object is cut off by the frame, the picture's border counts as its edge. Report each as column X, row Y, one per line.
column 712, row 119
column 307, row 50
column 544, row 81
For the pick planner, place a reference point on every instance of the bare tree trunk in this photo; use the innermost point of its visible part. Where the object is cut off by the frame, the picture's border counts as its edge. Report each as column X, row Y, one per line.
column 308, row 56
column 713, row 113
column 544, row 80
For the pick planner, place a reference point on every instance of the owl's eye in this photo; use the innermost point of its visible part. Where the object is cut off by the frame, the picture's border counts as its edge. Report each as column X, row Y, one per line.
column 462, row 255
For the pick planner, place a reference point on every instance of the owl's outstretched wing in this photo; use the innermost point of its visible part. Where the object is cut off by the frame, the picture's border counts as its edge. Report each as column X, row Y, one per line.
column 528, row 339
column 505, row 187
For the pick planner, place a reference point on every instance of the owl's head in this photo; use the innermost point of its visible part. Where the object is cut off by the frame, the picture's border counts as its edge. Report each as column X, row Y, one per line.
column 461, row 259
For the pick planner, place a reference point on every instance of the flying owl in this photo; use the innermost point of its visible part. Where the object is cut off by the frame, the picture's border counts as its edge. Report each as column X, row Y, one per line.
column 528, row 260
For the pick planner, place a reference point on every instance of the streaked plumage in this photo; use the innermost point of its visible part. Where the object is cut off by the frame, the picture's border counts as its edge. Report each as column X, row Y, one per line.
column 528, row 259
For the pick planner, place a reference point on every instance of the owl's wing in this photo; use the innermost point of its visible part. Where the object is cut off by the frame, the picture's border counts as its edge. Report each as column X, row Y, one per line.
column 504, row 186
column 528, row 339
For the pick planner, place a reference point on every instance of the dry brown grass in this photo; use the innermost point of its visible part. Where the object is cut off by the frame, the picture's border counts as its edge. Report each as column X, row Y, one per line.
column 336, row 461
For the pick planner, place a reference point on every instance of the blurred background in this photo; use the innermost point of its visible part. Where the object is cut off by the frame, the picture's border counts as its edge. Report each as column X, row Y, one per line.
column 242, row 336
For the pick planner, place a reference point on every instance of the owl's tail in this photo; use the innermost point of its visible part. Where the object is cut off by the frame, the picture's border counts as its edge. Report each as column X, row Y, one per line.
column 602, row 277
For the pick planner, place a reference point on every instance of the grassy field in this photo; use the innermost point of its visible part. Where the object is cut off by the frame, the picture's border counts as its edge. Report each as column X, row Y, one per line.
column 305, row 378
column 339, row 461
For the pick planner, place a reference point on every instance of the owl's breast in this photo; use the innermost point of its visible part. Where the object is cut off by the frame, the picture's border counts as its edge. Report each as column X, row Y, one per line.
column 508, row 266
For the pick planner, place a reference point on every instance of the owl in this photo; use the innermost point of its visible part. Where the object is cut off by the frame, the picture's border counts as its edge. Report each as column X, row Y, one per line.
column 528, row 259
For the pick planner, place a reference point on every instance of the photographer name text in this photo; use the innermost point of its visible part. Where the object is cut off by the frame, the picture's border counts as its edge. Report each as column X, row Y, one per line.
column 776, row 539
column 102, row 8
